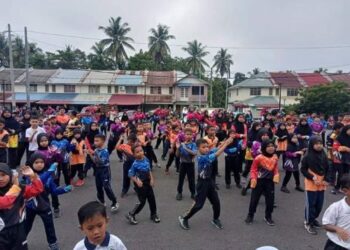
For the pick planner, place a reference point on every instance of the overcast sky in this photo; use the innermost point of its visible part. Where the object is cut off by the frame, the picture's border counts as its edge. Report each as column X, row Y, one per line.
column 243, row 24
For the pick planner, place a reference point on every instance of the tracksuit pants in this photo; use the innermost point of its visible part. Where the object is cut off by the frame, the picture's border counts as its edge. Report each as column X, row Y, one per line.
column 103, row 184
column 186, row 169
column 145, row 193
column 264, row 187
column 289, row 175
column 173, row 157
column 215, row 170
column 126, row 179
column 313, row 206
column 232, row 165
column 77, row 168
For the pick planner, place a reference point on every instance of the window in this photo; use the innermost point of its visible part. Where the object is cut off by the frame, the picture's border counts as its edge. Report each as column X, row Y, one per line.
column 109, row 89
column 198, row 90
column 170, row 90
column 184, row 92
column 47, row 88
column 131, row 89
column 277, row 91
column 237, row 92
column 156, row 90
column 270, row 91
column 5, row 87
column 116, row 88
column 33, row 88
column 69, row 88
column 292, row 92
column 94, row 89
column 53, row 88
column 255, row 91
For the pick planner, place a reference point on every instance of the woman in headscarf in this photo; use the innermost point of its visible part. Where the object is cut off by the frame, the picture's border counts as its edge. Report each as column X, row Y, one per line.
column 13, row 128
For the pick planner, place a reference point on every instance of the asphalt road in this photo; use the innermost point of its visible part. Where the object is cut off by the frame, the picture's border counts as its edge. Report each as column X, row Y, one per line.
column 288, row 233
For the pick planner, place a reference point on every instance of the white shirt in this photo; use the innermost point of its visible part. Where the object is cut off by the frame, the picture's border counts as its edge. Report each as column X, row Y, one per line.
column 338, row 214
column 111, row 242
column 33, row 145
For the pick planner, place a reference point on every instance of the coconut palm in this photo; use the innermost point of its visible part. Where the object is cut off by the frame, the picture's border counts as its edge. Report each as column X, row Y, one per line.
column 117, row 40
column 157, row 43
column 99, row 58
column 195, row 61
column 223, row 62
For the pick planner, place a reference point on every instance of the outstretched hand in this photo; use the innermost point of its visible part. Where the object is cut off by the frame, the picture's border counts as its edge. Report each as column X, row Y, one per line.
column 27, row 171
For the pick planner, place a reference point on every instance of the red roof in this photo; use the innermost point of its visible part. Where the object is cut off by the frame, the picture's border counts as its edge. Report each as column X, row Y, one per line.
column 286, row 79
column 126, row 99
column 340, row 78
column 161, row 78
column 313, row 79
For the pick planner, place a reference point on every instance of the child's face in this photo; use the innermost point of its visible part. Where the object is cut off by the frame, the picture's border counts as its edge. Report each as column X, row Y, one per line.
column 59, row 136
column 203, row 148
column 346, row 192
column 95, row 229
column 318, row 146
column 188, row 136
column 270, row 149
column 267, row 125
column 303, row 122
column 98, row 142
column 265, row 137
column 34, row 123
column 94, row 127
column 138, row 153
column 77, row 136
column 211, row 131
column 317, row 120
column 4, row 179
column 139, row 128
column 241, row 118
column 44, row 142
column 233, row 134
column 38, row 165
column 258, row 127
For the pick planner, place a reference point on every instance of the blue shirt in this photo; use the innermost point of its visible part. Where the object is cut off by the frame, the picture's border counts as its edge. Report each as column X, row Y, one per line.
column 205, row 164
column 101, row 157
column 141, row 169
column 185, row 156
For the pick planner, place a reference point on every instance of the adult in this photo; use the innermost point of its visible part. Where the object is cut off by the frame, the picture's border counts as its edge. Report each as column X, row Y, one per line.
column 13, row 128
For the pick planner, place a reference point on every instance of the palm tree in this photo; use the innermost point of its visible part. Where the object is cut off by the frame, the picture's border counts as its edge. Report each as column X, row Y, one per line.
column 195, row 61
column 117, row 39
column 99, row 58
column 223, row 62
column 18, row 52
column 157, row 43
column 254, row 72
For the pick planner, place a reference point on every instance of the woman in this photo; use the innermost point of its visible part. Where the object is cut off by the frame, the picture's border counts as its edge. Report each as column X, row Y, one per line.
column 13, row 128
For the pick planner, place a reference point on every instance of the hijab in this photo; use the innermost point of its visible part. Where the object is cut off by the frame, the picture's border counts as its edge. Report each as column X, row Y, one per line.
column 316, row 159
column 264, row 146
column 343, row 138
column 239, row 126
column 281, row 132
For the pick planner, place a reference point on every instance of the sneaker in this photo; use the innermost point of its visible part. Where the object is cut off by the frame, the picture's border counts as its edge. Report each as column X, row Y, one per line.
column 316, row 224
column 155, row 218
column 244, row 192
column 56, row 213
column 184, row 223
column 217, row 223
column 310, row 229
column 239, row 186
column 79, row 183
column 269, row 221
column 179, row 197
column 54, row 246
column 131, row 218
column 299, row 189
column 249, row 220
column 228, row 186
column 193, row 196
column 334, row 191
column 285, row 190
column 114, row 208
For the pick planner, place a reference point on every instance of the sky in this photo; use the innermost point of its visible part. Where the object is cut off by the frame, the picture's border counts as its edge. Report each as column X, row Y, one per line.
column 272, row 35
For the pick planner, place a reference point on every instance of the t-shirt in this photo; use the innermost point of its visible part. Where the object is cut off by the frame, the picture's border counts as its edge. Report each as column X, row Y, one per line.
column 338, row 214
column 33, row 145
column 111, row 242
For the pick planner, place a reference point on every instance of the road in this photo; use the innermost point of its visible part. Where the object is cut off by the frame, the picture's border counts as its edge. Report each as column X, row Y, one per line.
column 288, row 234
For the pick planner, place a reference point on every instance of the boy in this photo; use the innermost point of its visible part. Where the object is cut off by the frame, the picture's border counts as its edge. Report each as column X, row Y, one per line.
column 140, row 173
column 212, row 141
column 103, row 172
column 205, row 183
column 31, row 135
column 186, row 151
column 93, row 222
column 4, row 139
column 336, row 219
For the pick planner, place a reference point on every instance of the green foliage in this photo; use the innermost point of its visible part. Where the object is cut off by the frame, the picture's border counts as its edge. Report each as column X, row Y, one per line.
column 330, row 99
column 71, row 59
column 219, row 92
column 99, row 59
column 239, row 77
column 195, row 60
column 223, row 62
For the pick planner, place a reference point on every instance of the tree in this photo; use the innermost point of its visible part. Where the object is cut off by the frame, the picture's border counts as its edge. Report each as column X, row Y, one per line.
column 195, row 61
column 219, row 88
column 157, row 43
column 71, row 59
column 321, row 70
column 330, row 99
column 36, row 56
column 117, row 40
column 99, row 58
column 254, row 72
column 3, row 51
column 141, row 61
column 239, row 77
column 18, row 52
column 223, row 62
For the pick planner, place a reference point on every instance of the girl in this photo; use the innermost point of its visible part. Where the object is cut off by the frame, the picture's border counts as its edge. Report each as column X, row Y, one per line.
column 12, row 126
column 291, row 163
column 232, row 153
column 304, row 132
column 40, row 205
column 264, row 174
column 281, row 140
column 314, row 167
column 23, row 143
column 343, row 147
column 89, row 142
column 77, row 158
column 242, row 132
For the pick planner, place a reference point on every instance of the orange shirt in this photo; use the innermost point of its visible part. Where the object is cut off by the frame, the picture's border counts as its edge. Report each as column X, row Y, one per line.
column 62, row 119
column 310, row 184
column 80, row 157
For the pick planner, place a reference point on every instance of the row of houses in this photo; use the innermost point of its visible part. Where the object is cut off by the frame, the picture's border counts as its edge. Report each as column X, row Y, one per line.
column 118, row 88
column 267, row 89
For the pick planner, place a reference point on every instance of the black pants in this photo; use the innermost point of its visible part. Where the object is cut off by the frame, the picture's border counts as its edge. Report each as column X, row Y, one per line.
column 215, row 170
column 341, row 169
column 103, row 182
column 29, row 154
column 241, row 157
column 186, row 169
column 3, row 155
column 46, row 217
column 112, row 142
column 145, row 193
column 78, row 168
column 289, row 175
column 63, row 168
column 126, row 179
column 264, row 187
column 330, row 245
column 205, row 189
column 22, row 148
column 159, row 140
column 173, row 157
column 13, row 238
column 313, row 206
column 13, row 158
column 248, row 165
column 89, row 164
column 232, row 165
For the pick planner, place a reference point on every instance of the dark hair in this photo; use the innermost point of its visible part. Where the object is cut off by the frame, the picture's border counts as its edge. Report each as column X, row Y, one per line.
column 345, row 181
column 210, row 126
column 91, row 209
column 338, row 125
column 188, row 130
column 100, row 136
column 200, row 142
column 132, row 138
column 34, row 117
column 133, row 148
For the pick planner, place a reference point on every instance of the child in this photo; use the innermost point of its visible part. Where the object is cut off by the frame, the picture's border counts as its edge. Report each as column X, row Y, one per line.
column 186, row 151
column 213, row 141
column 173, row 137
column 282, row 140
column 93, row 223
column 314, row 167
column 89, row 136
column 12, row 198
column 291, row 163
column 31, row 135
column 264, row 174
column 125, row 149
column 40, row 205
column 205, row 184
column 4, row 139
column 140, row 173
column 161, row 132
column 336, row 220
column 77, row 158
column 232, row 161
column 103, row 172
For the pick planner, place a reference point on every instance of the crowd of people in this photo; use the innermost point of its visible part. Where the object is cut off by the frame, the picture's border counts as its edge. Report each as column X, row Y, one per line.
column 51, row 143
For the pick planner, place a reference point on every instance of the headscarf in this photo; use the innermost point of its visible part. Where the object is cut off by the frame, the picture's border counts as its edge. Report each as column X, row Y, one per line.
column 280, row 132
column 316, row 159
column 264, row 145
column 6, row 170
column 239, row 126
column 261, row 132
column 304, row 129
column 33, row 158
column 343, row 138
column 38, row 139
column 92, row 133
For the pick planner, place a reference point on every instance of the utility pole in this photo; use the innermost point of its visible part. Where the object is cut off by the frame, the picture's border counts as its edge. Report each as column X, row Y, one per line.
column 12, row 75
column 27, row 66
column 211, row 87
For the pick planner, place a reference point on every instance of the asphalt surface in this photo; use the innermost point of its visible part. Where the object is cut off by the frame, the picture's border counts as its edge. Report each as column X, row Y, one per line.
column 289, row 232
